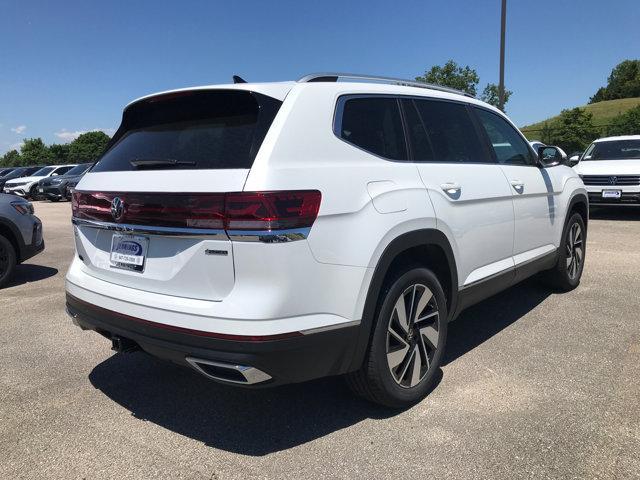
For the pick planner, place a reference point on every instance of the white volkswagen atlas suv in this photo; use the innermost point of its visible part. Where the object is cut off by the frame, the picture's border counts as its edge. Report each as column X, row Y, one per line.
column 610, row 169
column 269, row 233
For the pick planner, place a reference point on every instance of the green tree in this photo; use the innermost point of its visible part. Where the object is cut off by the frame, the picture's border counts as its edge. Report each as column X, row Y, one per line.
column 546, row 134
column 490, row 94
column 88, row 147
column 11, row 159
column 34, row 152
column 59, row 153
column 624, row 82
column 574, row 130
column 452, row 75
column 627, row 123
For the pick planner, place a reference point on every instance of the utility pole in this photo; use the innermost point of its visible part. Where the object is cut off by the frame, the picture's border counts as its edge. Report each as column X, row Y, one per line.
column 503, row 24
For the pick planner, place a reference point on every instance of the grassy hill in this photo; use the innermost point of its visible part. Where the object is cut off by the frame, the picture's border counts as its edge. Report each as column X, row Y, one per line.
column 603, row 113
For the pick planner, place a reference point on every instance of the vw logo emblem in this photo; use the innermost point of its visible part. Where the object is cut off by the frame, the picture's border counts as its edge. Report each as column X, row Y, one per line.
column 613, row 180
column 117, row 208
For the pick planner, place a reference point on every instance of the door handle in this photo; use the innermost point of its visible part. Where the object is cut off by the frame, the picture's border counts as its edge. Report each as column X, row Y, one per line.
column 518, row 185
column 451, row 188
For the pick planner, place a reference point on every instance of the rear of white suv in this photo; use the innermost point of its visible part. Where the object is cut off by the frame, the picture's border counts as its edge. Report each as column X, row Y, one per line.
column 171, row 244
column 275, row 233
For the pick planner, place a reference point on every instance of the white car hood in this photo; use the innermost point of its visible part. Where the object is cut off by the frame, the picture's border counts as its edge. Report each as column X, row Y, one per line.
column 23, row 179
column 608, row 167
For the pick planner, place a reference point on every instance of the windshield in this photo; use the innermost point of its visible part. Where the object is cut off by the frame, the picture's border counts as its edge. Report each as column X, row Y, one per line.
column 201, row 130
column 5, row 171
column 43, row 172
column 613, row 150
column 78, row 170
column 18, row 172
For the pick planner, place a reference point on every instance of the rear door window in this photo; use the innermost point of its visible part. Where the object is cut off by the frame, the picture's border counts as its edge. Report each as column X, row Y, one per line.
column 373, row 124
column 420, row 145
column 451, row 132
column 191, row 130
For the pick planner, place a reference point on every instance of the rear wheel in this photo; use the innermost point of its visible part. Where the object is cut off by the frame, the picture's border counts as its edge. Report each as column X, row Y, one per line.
column 567, row 272
column 407, row 344
column 7, row 260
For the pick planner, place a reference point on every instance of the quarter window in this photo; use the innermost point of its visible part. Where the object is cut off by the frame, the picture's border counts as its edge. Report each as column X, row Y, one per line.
column 450, row 131
column 510, row 148
column 373, row 124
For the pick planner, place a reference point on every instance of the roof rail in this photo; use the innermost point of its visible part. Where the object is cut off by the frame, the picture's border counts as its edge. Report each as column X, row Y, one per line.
column 333, row 77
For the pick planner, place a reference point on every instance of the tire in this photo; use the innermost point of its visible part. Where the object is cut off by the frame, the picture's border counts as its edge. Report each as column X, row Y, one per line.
column 567, row 272
column 392, row 343
column 7, row 260
column 33, row 193
column 54, row 199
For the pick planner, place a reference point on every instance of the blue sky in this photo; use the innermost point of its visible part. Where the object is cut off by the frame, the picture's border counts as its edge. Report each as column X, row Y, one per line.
column 68, row 67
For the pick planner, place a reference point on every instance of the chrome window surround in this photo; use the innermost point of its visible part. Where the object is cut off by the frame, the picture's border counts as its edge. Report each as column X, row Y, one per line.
column 264, row 236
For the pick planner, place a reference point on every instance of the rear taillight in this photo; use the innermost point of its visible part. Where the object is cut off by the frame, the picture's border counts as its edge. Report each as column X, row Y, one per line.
column 281, row 210
column 271, row 210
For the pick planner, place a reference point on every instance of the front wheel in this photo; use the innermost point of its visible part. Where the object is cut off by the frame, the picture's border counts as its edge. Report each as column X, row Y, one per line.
column 567, row 272
column 408, row 341
column 33, row 193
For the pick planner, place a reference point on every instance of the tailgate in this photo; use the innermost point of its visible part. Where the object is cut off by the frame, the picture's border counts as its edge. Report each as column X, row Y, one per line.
column 148, row 215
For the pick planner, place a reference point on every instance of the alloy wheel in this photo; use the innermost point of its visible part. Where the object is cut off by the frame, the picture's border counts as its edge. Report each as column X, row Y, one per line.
column 575, row 250
column 412, row 335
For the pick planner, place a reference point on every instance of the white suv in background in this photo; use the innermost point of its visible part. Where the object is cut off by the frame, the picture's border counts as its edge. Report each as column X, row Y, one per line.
column 28, row 186
column 610, row 169
column 279, row 232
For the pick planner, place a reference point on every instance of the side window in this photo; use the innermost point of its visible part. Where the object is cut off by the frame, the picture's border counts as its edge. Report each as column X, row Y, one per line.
column 451, row 132
column 420, row 145
column 510, row 148
column 63, row 170
column 373, row 124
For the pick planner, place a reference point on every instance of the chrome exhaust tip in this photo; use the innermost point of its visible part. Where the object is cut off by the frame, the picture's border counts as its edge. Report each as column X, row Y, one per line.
column 228, row 372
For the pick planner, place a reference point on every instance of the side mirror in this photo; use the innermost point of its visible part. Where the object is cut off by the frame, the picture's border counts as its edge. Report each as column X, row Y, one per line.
column 549, row 156
column 573, row 160
column 54, row 174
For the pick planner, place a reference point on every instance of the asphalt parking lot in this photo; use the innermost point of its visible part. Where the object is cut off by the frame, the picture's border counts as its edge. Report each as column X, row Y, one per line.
column 535, row 385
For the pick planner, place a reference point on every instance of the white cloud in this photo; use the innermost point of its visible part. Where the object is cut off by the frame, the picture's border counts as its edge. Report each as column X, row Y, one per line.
column 68, row 136
column 20, row 129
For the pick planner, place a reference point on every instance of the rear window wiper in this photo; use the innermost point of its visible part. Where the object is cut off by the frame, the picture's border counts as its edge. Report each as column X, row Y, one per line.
column 142, row 163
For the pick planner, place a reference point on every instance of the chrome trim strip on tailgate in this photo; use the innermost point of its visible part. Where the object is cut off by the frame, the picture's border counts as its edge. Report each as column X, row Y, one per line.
column 152, row 230
column 264, row 236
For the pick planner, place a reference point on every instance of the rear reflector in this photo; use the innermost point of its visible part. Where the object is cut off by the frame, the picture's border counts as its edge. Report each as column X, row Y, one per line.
column 281, row 210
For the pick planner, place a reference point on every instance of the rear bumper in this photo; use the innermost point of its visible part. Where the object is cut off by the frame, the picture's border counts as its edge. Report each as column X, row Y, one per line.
column 283, row 358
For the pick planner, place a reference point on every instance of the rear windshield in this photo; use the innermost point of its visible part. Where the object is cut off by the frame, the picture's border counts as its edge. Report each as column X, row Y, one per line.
column 613, row 150
column 191, row 130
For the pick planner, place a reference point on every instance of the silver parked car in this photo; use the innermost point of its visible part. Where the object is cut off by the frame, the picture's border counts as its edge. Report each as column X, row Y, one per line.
column 20, row 234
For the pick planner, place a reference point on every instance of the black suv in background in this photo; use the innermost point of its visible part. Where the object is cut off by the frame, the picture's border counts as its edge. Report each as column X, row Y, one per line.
column 57, row 188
